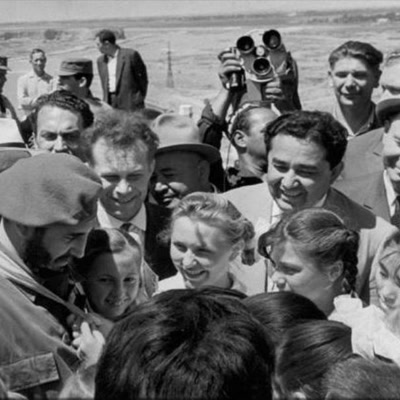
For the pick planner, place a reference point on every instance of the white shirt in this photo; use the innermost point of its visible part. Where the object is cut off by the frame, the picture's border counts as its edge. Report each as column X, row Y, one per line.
column 390, row 193
column 138, row 222
column 112, row 72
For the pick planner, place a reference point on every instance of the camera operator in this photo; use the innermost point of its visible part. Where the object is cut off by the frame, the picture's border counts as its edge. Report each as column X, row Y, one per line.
column 280, row 93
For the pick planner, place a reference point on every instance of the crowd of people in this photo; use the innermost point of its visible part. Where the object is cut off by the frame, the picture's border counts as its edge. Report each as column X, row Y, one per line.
column 134, row 264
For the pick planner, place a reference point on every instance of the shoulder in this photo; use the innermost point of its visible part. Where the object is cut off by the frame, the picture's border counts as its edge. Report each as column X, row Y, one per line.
column 365, row 141
column 356, row 216
column 357, row 188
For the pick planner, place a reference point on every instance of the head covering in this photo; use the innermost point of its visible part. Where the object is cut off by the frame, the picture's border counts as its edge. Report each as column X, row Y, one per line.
column 180, row 133
column 73, row 66
column 387, row 106
column 4, row 64
column 48, row 189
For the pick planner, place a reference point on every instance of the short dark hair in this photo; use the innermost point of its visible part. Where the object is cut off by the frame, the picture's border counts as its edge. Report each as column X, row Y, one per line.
column 106, row 35
column 358, row 378
column 186, row 344
column 280, row 311
column 36, row 50
column 360, row 50
column 121, row 130
column 316, row 126
column 65, row 100
column 306, row 353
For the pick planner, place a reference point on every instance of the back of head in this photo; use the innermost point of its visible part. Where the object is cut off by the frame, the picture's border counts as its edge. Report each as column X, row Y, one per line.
column 280, row 311
column 121, row 131
column 363, row 51
column 106, row 35
column 306, row 353
column 67, row 101
column 315, row 126
column 358, row 378
column 186, row 344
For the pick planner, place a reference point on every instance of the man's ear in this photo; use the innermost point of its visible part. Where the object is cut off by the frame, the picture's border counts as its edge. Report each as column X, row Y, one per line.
column 239, row 140
column 330, row 78
column 335, row 271
column 82, row 82
column 336, row 171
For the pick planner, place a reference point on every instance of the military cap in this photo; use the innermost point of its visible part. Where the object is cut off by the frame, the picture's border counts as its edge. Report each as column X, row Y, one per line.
column 49, row 189
column 180, row 133
column 73, row 66
column 4, row 64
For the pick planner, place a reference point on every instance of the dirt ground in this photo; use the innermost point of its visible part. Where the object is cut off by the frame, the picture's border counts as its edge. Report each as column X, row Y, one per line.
column 194, row 49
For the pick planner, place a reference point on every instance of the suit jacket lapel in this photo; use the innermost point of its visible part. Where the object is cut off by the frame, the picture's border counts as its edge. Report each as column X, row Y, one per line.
column 120, row 64
column 376, row 200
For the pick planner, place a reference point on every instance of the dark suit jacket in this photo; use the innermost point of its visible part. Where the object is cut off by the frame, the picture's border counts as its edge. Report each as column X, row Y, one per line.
column 369, row 191
column 156, row 248
column 363, row 155
column 131, row 79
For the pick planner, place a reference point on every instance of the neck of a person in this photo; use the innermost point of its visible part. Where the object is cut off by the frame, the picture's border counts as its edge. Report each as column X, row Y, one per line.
column 251, row 166
column 326, row 302
column 224, row 282
column 356, row 116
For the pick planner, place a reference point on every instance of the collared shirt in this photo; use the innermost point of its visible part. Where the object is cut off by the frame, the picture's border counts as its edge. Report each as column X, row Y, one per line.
column 370, row 124
column 138, row 222
column 390, row 193
column 112, row 72
column 30, row 86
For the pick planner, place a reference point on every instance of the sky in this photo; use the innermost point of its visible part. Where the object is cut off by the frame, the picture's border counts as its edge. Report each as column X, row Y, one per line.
column 51, row 10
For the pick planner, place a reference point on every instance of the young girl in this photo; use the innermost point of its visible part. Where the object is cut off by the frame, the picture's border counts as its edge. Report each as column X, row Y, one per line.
column 111, row 272
column 314, row 254
column 207, row 235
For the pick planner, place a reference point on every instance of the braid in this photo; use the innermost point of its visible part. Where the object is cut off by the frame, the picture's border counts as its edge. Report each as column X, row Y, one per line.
column 350, row 261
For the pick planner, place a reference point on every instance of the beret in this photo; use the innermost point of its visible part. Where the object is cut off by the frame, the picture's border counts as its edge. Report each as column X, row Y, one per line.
column 48, row 189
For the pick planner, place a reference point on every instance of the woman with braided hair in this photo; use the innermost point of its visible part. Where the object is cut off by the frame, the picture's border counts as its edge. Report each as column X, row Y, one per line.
column 313, row 254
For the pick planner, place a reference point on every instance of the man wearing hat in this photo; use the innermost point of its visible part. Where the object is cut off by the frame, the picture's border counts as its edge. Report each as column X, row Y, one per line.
column 35, row 83
column 121, row 148
column 182, row 160
column 6, row 108
column 379, row 190
column 47, row 208
column 76, row 75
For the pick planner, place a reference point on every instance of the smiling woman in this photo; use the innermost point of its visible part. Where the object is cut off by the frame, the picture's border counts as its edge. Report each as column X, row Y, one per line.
column 208, row 234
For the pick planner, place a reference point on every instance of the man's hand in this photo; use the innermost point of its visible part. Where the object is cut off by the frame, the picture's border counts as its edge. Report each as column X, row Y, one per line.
column 230, row 63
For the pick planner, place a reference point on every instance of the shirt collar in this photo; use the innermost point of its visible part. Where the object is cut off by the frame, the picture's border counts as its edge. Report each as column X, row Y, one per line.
column 390, row 193
column 107, row 220
column 8, row 246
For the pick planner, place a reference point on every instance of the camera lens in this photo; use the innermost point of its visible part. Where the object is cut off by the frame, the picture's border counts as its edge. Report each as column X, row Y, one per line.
column 261, row 66
column 245, row 44
column 272, row 39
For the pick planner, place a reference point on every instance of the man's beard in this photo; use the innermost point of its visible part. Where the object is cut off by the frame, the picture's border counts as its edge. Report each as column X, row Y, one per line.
column 36, row 256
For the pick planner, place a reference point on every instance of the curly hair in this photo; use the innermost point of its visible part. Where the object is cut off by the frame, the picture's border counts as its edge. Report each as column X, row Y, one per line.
column 324, row 237
column 67, row 101
column 315, row 126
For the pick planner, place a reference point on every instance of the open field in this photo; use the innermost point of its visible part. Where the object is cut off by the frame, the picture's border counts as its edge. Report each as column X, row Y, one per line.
column 195, row 42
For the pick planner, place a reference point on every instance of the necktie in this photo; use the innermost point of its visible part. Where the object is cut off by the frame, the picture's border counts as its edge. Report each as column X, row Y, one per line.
column 395, row 219
column 127, row 226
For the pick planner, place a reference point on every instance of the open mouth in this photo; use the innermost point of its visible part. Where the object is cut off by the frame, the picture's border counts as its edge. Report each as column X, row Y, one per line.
column 117, row 303
column 194, row 275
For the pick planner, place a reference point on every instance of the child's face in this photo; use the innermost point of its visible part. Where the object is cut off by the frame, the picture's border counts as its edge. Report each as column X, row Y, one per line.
column 113, row 282
column 388, row 283
column 201, row 253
